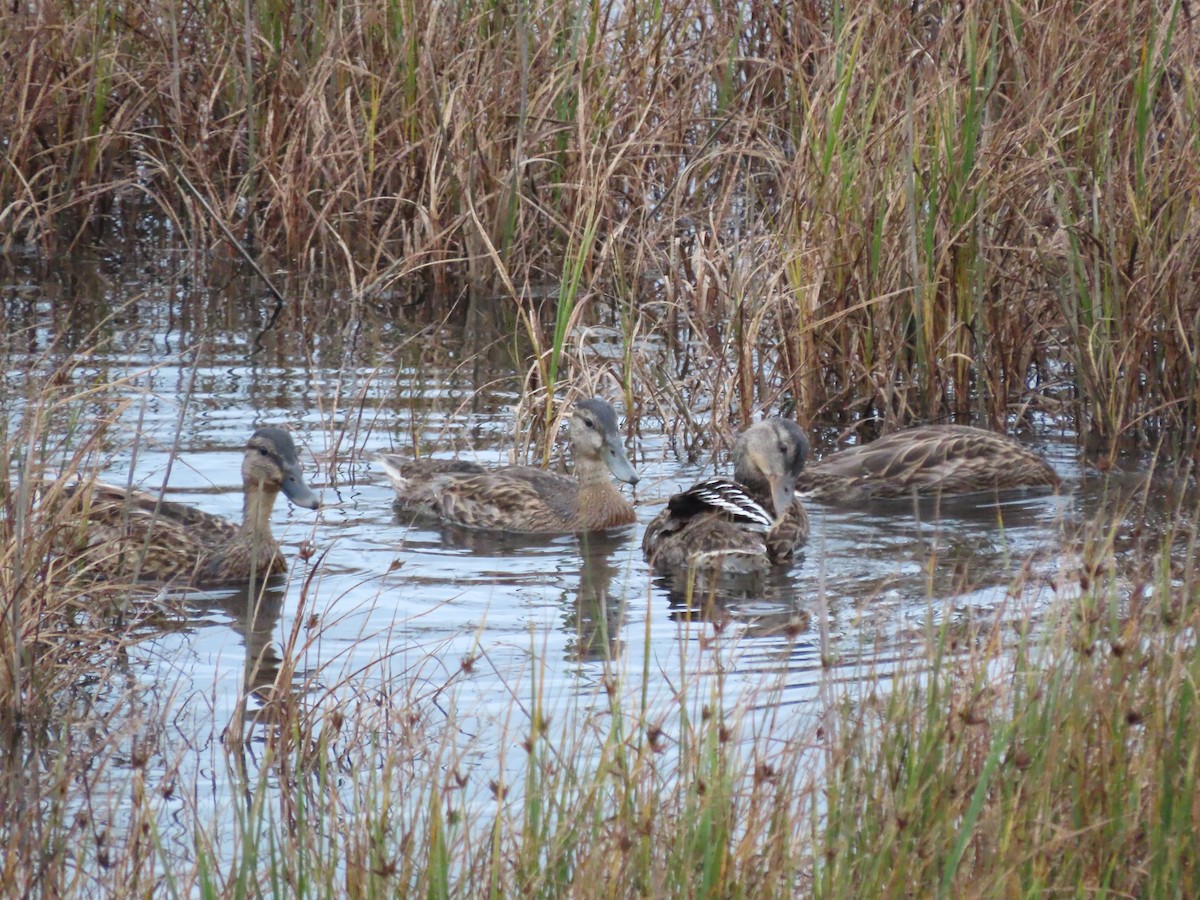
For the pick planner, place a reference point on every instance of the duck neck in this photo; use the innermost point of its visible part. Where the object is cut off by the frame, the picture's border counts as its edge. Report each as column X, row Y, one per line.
column 257, row 505
column 600, row 503
column 591, row 473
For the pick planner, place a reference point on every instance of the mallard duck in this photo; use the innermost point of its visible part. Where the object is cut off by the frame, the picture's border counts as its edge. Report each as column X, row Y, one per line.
column 523, row 498
column 746, row 524
column 131, row 534
column 932, row 459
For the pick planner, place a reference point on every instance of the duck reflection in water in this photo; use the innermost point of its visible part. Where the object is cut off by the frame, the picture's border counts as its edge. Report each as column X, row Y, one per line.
column 593, row 618
column 253, row 614
column 593, row 608
column 766, row 605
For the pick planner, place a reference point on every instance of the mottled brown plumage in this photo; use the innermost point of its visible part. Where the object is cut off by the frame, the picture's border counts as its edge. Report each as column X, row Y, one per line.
column 523, row 498
column 930, row 460
column 131, row 535
column 743, row 525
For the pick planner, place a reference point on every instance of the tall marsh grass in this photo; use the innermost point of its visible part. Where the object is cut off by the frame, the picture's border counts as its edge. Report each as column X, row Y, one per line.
column 860, row 214
column 912, row 211
column 1065, row 767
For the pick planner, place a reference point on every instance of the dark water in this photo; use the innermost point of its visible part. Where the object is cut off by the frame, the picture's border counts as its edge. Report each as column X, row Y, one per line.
column 398, row 604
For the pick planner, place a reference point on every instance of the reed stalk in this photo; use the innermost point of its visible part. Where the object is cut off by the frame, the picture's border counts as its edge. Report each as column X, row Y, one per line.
column 895, row 168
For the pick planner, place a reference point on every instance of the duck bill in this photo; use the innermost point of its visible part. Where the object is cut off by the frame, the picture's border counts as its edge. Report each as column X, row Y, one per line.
column 296, row 490
column 618, row 462
column 783, row 492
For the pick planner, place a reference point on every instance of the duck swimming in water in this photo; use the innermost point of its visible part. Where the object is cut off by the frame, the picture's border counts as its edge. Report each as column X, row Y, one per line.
column 523, row 498
column 741, row 525
column 928, row 460
column 130, row 534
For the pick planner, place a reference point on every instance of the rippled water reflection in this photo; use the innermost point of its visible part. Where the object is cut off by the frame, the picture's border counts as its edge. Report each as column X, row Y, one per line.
column 494, row 614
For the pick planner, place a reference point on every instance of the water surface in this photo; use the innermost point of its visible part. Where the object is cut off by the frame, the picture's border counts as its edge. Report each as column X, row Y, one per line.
column 474, row 626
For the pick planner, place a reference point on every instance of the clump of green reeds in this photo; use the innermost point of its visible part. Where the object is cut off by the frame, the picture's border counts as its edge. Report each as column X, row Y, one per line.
column 1063, row 765
column 687, row 794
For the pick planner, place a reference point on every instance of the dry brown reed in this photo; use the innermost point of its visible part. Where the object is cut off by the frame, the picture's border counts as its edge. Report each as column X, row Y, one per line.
column 59, row 621
column 867, row 213
column 63, row 642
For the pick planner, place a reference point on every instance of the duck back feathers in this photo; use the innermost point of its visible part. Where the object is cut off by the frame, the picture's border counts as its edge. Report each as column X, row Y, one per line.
column 928, row 460
column 523, row 498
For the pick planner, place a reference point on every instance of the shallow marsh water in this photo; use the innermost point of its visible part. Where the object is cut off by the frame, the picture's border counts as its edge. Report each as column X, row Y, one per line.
column 477, row 628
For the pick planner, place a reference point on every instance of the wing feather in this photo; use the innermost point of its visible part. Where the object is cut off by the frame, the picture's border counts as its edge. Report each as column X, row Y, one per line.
column 721, row 495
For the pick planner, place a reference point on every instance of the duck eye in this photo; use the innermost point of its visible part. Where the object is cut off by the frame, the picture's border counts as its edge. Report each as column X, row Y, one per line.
column 263, row 452
column 589, row 423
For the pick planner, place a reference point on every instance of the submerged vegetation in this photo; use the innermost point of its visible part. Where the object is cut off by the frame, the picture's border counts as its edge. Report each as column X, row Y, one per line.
column 858, row 214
